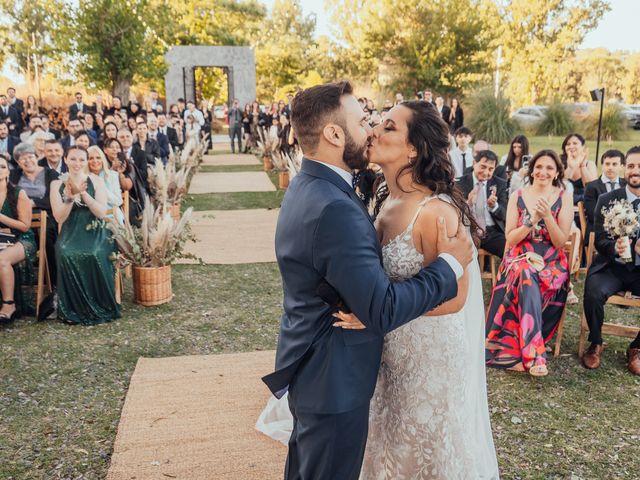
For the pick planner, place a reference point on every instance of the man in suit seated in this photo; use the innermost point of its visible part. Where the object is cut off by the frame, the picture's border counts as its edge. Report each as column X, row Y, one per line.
column 46, row 126
column 612, row 161
column 73, row 127
column 7, row 144
column 10, row 115
column 53, row 153
column 609, row 274
column 488, row 197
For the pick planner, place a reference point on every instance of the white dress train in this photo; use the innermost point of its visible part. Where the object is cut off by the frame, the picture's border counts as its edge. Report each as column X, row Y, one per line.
column 429, row 416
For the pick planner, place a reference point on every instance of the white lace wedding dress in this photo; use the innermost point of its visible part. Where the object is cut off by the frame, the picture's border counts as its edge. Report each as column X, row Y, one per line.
column 429, row 416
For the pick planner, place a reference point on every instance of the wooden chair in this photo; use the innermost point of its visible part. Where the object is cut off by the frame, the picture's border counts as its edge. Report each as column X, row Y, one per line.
column 482, row 258
column 569, row 247
column 621, row 298
column 39, row 223
column 579, row 209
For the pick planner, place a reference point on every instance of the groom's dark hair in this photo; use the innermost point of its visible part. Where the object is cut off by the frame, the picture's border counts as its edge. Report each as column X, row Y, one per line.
column 312, row 108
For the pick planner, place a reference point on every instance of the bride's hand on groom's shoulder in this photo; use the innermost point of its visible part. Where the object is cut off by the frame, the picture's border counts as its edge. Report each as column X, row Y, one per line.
column 459, row 246
column 348, row 321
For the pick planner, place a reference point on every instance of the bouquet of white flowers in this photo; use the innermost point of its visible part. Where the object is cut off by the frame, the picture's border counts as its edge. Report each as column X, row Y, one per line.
column 621, row 221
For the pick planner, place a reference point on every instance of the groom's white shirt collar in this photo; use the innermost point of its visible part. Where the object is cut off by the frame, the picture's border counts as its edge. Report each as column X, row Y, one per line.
column 346, row 176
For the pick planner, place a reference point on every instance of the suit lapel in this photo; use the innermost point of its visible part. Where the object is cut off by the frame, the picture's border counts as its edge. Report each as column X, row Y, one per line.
column 318, row 170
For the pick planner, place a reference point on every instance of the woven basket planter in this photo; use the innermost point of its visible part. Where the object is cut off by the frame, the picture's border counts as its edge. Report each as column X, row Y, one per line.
column 283, row 180
column 152, row 285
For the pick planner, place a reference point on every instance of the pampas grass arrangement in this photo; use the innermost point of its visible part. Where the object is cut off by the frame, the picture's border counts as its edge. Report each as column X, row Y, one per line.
column 159, row 241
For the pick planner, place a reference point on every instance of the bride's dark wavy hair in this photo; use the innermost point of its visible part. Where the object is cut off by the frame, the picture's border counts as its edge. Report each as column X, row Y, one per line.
column 432, row 167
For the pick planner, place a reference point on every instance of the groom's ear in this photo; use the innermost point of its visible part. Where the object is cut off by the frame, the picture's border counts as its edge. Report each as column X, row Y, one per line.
column 333, row 134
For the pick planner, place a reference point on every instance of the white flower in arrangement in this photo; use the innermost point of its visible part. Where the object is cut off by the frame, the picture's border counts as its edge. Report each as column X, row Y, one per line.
column 621, row 221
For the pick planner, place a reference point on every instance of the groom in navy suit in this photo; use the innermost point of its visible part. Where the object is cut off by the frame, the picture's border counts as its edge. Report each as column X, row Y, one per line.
column 325, row 234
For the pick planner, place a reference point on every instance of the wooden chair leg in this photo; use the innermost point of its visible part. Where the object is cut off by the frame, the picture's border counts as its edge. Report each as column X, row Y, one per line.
column 118, row 285
column 583, row 334
column 40, row 287
column 493, row 271
column 560, row 333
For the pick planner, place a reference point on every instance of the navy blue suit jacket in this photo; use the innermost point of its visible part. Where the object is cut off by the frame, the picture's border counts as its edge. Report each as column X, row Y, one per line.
column 325, row 233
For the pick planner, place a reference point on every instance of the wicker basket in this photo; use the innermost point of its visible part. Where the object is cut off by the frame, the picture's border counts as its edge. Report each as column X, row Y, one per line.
column 152, row 285
column 283, row 180
column 174, row 210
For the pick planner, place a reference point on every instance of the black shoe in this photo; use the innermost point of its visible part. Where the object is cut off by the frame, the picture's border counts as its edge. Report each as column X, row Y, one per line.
column 6, row 320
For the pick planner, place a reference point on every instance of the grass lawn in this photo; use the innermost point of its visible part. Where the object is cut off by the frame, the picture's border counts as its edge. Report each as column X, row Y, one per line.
column 62, row 388
column 538, row 143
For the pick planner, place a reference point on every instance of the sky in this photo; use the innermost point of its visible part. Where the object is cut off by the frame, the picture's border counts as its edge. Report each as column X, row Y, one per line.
column 616, row 30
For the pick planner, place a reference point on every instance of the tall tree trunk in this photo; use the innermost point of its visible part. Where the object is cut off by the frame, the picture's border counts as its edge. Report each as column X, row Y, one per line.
column 121, row 88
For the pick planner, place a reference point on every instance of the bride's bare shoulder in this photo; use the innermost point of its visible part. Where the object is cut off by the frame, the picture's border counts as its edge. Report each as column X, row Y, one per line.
column 434, row 209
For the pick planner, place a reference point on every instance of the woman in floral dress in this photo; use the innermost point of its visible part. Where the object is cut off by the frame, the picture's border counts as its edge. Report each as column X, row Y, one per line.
column 533, row 280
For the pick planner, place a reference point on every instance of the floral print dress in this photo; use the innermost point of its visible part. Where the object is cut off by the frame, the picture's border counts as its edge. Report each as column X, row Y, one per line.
column 526, row 304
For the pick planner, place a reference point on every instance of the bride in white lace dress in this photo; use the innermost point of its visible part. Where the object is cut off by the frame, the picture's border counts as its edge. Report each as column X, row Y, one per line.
column 429, row 415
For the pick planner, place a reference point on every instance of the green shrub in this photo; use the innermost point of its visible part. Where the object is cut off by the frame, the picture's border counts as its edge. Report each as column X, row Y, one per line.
column 489, row 117
column 614, row 124
column 557, row 121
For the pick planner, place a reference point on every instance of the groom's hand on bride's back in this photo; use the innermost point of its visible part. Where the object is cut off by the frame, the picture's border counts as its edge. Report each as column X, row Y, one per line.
column 460, row 246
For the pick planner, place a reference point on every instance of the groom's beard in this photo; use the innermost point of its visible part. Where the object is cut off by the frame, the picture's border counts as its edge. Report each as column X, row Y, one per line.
column 355, row 156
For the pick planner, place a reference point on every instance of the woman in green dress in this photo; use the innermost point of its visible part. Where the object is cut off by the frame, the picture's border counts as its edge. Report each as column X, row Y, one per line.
column 18, row 246
column 86, row 275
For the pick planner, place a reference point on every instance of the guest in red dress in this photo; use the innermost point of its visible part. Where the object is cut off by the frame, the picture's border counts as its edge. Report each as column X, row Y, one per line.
column 533, row 279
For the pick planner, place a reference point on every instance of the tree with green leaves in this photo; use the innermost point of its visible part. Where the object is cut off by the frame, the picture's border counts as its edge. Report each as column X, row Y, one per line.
column 538, row 38
column 282, row 49
column 408, row 45
column 113, row 43
column 30, row 33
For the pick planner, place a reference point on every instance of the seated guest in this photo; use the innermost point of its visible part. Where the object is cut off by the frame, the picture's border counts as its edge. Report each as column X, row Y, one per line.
column 73, row 127
column 38, row 140
column 16, row 259
column 149, row 147
column 513, row 163
column 155, row 134
column 34, row 124
column 36, row 181
column 46, row 127
column 462, row 154
column 86, row 275
column 487, row 196
column 579, row 170
column 99, row 166
column 83, row 139
column 478, row 146
column 129, row 178
column 53, row 154
column 608, row 273
column 110, row 131
column 527, row 302
column 611, row 161
column 168, row 131
column 7, row 144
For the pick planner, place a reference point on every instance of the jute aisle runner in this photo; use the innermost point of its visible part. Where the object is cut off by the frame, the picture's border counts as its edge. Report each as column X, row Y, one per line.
column 206, row 182
column 226, row 159
column 234, row 236
column 192, row 418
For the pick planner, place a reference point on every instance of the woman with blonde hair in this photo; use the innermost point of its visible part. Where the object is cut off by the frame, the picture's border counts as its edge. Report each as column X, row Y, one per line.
column 86, row 275
column 99, row 166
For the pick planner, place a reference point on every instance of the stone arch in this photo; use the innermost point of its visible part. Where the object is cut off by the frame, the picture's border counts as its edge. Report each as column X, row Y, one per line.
column 238, row 62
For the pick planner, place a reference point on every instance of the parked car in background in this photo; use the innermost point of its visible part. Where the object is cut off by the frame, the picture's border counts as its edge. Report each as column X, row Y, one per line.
column 632, row 114
column 529, row 117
